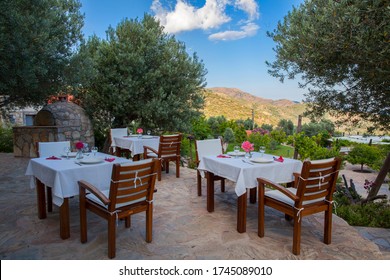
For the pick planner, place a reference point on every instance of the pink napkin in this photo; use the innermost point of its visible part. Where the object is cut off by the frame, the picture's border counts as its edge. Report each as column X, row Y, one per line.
column 53, row 157
column 109, row 159
column 280, row 159
column 223, row 156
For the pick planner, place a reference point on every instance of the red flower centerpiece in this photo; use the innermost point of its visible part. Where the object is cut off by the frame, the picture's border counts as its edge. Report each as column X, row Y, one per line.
column 248, row 147
column 79, row 146
column 140, row 131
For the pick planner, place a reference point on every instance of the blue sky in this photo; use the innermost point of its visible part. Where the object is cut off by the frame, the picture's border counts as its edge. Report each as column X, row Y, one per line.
column 228, row 35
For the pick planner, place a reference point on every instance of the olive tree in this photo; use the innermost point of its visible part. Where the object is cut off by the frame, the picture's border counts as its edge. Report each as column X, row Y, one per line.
column 340, row 49
column 142, row 74
column 37, row 41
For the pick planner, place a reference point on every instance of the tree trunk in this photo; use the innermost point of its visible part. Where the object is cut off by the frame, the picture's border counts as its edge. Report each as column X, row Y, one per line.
column 379, row 179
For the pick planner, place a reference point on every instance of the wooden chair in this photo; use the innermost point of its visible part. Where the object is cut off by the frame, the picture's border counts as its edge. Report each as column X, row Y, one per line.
column 312, row 193
column 208, row 147
column 130, row 192
column 168, row 150
column 48, row 149
column 114, row 150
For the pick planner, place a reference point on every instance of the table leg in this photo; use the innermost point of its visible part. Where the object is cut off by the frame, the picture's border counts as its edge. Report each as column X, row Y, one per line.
column 252, row 195
column 210, row 191
column 64, row 219
column 41, row 199
column 241, row 213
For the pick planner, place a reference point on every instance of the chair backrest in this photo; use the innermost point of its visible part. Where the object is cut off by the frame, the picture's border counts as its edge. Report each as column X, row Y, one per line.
column 169, row 145
column 48, row 149
column 117, row 132
column 208, row 147
column 132, row 182
column 317, row 180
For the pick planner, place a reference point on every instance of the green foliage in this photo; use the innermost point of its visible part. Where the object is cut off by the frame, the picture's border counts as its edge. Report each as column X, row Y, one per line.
column 373, row 214
column 260, row 140
column 228, row 136
column 268, row 127
column 200, row 128
column 287, row 126
column 314, row 128
column 364, row 154
column 37, row 40
column 139, row 73
column 309, row 148
column 278, row 135
column 6, row 140
column 341, row 51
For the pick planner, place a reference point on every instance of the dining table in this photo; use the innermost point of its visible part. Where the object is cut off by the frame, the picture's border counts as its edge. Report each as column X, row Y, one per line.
column 136, row 143
column 62, row 174
column 244, row 173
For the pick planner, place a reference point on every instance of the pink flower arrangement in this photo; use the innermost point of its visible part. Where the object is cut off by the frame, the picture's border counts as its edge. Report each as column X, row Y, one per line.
column 140, row 130
column 79, row 145
column 247, row 146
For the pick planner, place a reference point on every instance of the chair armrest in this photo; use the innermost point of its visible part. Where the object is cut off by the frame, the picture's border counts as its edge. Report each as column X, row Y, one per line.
column 146, row 148
column 91, row 188
column 278, row 187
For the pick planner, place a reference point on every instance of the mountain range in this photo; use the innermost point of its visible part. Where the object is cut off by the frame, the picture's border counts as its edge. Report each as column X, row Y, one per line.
column 236, row 104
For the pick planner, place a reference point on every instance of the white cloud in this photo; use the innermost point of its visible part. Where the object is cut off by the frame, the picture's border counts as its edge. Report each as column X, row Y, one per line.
column 250, row 7
column 185, row 17
column 246, row 31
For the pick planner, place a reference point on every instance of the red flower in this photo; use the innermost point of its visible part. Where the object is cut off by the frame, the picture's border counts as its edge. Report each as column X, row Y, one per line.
column 79, row 145
column 140, row 131
column 247, row 146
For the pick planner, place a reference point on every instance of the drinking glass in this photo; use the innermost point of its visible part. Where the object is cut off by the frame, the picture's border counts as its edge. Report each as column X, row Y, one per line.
column 67, row 151
column 94, row 150
column 236, row 150
column 86, row 148
column 262, row 150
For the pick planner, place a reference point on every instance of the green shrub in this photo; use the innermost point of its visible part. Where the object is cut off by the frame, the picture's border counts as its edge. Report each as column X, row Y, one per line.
column 6, row 140
column 373, row 214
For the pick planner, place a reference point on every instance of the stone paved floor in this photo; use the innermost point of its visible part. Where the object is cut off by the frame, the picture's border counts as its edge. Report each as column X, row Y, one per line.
column 182, row 228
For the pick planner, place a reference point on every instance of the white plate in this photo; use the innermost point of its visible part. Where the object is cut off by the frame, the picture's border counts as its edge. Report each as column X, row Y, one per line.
column 261, row 160
column 239, row 154
column 72, row 154
column 147, row 136
column 91, row 160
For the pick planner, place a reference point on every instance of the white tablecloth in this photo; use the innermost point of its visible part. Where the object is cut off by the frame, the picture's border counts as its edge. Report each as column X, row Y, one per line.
column 135, row 144
column 245, row 175
column 62, row 175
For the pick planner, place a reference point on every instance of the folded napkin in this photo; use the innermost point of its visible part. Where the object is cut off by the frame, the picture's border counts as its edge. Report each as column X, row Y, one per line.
column 53, row 157
column 280, row 159
column 109, row 159
column 223, row 156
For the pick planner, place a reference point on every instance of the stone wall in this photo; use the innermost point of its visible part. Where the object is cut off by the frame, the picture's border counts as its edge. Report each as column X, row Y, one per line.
column 27, row 137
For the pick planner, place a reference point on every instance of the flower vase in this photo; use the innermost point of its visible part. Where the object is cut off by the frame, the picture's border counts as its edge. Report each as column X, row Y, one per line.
column 139, row 135
column 79, row 154
column 248, row 155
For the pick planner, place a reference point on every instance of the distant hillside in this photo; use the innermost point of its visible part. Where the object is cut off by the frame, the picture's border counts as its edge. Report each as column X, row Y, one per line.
column 236, row 104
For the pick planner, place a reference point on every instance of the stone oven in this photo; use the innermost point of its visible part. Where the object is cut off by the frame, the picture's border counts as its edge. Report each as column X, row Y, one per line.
column 59, row 121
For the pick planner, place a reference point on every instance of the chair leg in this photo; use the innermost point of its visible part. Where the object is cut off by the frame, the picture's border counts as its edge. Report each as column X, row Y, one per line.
column 83, row 220
column 111, row 236
column 166, row 163
column 199, row 183
column 128, row 221
column 297, row 235
column 222, row 185
column 328, row 226
column 159, row 172
column 178, row 168
column 149, row 223
column 260, row 226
